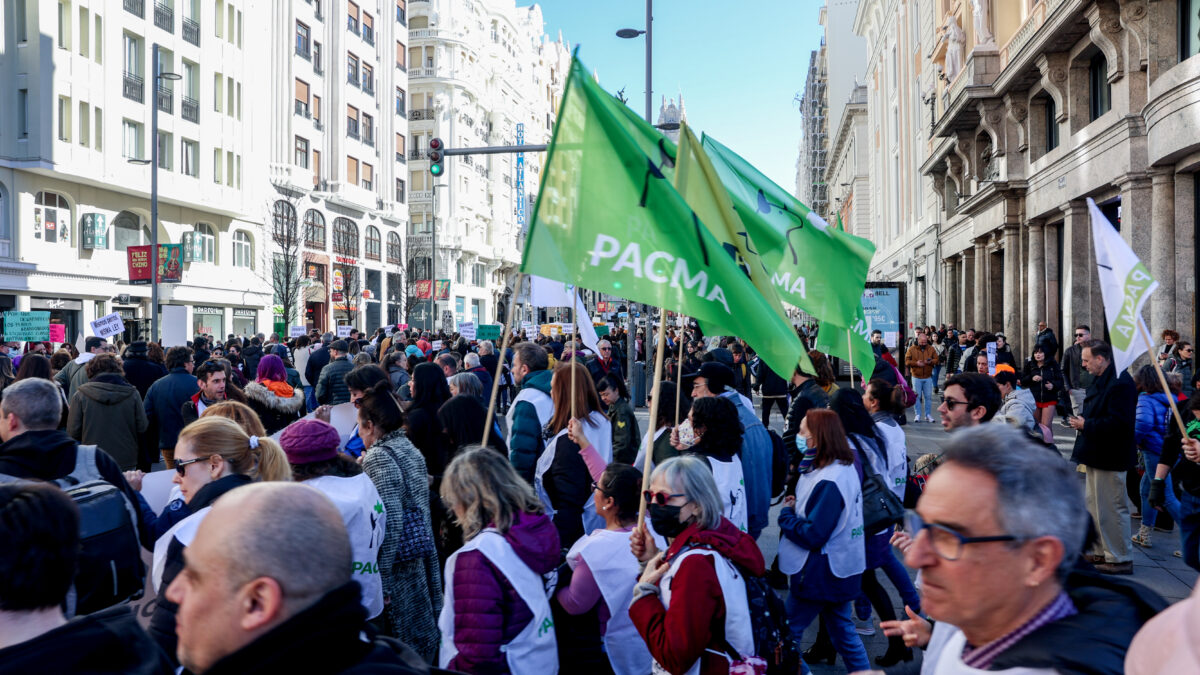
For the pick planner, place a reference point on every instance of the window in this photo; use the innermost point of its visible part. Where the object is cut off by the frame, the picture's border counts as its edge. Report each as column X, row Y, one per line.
column 64, row 24
column 242, row 250
column 218, row 163
column 400, row 190
column 368, row 79
column 98, row 46
column 131, row 145
column 303, row 40
column 400, row 148
column 352, row 17
column 352, row 171
column 401, row 16
column 218, row 92
column 302, row 98
column 368, row 177
column 1051, row 124
column 301, row 152
column 316, row 167
column 368, row 129
column 478, row 276
column 401, row 53
column 84, row 29
column 64, row 118
column 393, row 248
column 229, row 100
column 56, row 215
column 219, row 19
column 133, row 55
column 352, row 121
column 352, row 69
column 206, row 242
column 318, row 68
column 85, row 125
column 22, row 110
column 166, row 146
column 316, row 110
column 1099, row 88
column 128, row 231
column 21, row 20
column 190, row 155
column 345, row 237
column 1189, row 40
column 400, row 104
column 373, row 242
column 284, row 221
column 314, row 229
column 368, row 28
column 98, row 118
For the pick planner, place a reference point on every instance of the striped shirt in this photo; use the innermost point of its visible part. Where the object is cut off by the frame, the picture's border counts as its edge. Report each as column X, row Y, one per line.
column 981, row 657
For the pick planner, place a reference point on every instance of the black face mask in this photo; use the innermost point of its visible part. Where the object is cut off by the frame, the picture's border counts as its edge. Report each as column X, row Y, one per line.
column 665, row 520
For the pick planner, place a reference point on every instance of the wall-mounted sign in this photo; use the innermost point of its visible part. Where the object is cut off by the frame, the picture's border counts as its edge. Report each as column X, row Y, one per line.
column 95, row 231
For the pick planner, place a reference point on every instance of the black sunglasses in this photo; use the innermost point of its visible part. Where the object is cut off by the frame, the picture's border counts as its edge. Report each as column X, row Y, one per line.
column 181, row 466
column 951, row 403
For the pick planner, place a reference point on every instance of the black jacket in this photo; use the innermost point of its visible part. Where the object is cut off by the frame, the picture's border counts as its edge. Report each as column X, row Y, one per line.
column 1106, row 441
column 108, row 641
column 163, row 402
column 141, row 372
column 1049, row 344
column 316, row 361
column 806, row 397
column 1050, row 373
column 331, row 385
column 568, row 485
column 324, row 639
column 953, row 355
column 250, row 357
column 1185, row 474
column 769, row 382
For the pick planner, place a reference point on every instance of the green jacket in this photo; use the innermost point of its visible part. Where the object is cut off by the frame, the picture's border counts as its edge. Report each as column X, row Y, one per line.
column 626, row 434
column 109, row 415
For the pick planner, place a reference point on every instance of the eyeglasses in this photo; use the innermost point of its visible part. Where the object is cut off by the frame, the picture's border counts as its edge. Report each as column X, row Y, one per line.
column 945, row 542
column 660, row 498
column 606, row 349
column 596, row 486
column 181, row 466
column 951, row 403
column 1079, row 335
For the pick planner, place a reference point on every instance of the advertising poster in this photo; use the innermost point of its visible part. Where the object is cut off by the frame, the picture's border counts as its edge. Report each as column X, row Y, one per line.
column 170, row 263
column 883, row 307
column 138, row 258
column 443, row 289
column 424, row 289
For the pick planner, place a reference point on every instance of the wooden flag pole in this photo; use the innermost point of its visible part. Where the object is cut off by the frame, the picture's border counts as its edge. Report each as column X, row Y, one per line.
column 574, row 350
column 678, row 370
column 654, row 397
column 850, row 352
column 504, row 340
column 1162, row 379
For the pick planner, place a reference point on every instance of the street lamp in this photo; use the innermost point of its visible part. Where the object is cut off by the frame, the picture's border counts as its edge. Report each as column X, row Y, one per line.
column 154, row 162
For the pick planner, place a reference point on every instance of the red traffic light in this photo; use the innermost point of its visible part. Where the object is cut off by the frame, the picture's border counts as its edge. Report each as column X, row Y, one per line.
column 435, row 144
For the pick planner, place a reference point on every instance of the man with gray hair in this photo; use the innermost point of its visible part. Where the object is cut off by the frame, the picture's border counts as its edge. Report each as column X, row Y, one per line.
column 267, row 588
column 998, row 535
column 604, row 363
column 473, row 363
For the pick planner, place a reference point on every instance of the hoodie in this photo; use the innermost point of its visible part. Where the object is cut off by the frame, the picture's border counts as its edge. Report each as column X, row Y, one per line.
column 694, row 627
column 1018, row 409
column 488, row 612
column 108, row 412
column 108, row 641
column 525, row 438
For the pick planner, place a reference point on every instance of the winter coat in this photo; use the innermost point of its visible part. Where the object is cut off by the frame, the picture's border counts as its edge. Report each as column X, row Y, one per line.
column 952, row 356
column 399, row 378
column 324, row 639
column 693, row 628
column 599, row 368
column 318, row 358
column 164, row 401
column 108, row 641
column 300, row 358
column 331, row 385
column 757, row 451
column 770, row 384
column 274, row 411
column 626, row 434
column 250, row 357
column 525, row 438
column 812, row 532
column 1186, row 370
column 1050, row 373
column 806, row 397
column 485, row 379
column 425, row 432
column 1073, row 372
column 141, row 372
column 1106, row 441
column 1049, row 344
column 1019, row 410
column 488, row 612
column 741, row 378
column 413, row 588
column 108, row 412
column 1152, row 421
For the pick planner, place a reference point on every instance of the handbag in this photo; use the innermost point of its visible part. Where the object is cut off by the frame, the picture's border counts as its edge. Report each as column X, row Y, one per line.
column 416, row 533
column 881, row 507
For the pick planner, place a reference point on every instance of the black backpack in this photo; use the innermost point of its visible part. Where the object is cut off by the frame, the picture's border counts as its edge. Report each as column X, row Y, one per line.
column 110, row 559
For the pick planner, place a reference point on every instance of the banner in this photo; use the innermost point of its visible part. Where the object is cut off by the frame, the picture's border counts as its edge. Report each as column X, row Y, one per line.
column 26, row 326
column 108, row 326
column 138, row 259
column 443, row 289
column 424, row 289
column 170, row 263
column 1126, row 284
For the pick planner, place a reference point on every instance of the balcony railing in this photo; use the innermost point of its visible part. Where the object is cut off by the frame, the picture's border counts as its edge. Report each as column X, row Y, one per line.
column 352, row 128
column 421, row 114
column 165, row 99
column 136, row 7
column 415, row 154
column 191, row 31
column 424, row 33
column 401, row 158
column 368, row 35
column 302, row 109
column 191, row 109
column 423, row 72
column 164, row 17
column 318, row 124
column 134, row 88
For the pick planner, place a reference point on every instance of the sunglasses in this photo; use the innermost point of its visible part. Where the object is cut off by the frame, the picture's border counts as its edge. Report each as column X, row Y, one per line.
column 951, row 403
column 660, row 498
column 181, row 466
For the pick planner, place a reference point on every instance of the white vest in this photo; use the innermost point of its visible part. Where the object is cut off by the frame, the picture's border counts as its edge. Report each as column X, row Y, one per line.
column 896, row 472
column 542, row 403
column 534, row 650
column 616, row 572
column 185, row 532
column 845, row 548
column 731, row 485
column 362, row 512
column 943, row 656
column 598, row 429
column 737, row 610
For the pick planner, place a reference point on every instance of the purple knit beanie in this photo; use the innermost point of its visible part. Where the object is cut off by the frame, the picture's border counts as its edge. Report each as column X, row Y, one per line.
column 309, row 440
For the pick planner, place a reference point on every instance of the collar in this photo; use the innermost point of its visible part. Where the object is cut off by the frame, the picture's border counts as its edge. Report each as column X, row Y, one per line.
column 981, row 657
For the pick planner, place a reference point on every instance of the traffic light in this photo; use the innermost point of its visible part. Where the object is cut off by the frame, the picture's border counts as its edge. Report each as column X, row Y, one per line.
column 436, row 158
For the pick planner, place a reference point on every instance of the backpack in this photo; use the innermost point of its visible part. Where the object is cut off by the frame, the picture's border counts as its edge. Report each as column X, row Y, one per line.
column 910, row 396
column 110, row 557
column 779, row 464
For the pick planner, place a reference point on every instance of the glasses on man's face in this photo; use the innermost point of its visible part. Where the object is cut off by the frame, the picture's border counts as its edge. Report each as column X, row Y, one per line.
column 951, row 403
column 181, row 465
column 660, row 498
column 606, row 349
column 945, row 542
column 1080, row 335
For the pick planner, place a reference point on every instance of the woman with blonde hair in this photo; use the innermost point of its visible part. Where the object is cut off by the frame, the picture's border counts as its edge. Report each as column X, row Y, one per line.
column 212, row 456
column 495, row 616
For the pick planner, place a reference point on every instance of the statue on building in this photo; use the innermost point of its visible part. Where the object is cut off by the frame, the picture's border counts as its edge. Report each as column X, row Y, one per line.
column 669, row 113
column 983, row 34
column 955, row 41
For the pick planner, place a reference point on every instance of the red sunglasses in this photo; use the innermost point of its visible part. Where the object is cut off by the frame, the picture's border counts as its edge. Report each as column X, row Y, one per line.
column 660, row 498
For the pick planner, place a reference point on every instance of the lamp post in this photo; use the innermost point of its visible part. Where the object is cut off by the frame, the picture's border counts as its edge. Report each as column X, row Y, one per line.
column 153, row 162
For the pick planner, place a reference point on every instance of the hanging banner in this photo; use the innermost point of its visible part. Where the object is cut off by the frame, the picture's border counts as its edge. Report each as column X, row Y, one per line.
column 424, row 289
column 170, row 263
column 138, row 258
column 26, row 326
column 443, row 289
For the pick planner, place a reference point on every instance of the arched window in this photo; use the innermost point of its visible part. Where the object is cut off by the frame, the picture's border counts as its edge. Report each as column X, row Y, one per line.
column 1099, row 89
column 129, row 231
column 393, row 248
column 373, row 242
column 243, row 250
column 55, row 216
column 284, row 221
column 314, row 229
column 345, row 237
column 206, row 242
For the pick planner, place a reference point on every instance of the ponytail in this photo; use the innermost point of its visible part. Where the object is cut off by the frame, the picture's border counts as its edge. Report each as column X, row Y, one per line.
column 272, row 461
column 891, row 397
column 256, row 456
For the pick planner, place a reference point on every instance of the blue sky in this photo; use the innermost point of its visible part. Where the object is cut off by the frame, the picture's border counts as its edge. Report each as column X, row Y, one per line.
column 738, row 64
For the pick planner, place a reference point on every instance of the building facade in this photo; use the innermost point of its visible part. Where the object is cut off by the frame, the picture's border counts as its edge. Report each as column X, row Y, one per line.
column 483, row 73
column 814, row 141
column 846, row 175
column 82, row 82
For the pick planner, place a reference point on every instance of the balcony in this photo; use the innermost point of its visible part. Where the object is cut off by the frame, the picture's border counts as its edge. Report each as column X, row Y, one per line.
column 421, row 114
column 368, row 35
column 424, row 33
column 369, row 137
column 134, row 88
column 302, row 109
column 423, row 72
column 191, row 109
column 165, row 100
column 136, row 8
column 164, row 17
column 352, row 128
column 318, row 124
column 415, row 154
column 191, row 31
column 400, row 158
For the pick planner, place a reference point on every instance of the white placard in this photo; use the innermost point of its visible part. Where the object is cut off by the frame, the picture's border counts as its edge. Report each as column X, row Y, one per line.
column 436, row 345
column 467, row 330
column 174, row 326
column 527, row 328
column 108, row 326
column 568, row 328
column 156, row 488
column 295, row 331
column 991, row 356
column 344, row 331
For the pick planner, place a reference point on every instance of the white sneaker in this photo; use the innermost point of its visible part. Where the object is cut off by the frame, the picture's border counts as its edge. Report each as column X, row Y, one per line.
column 917, row 419
column 929, row 419
column 864, row 627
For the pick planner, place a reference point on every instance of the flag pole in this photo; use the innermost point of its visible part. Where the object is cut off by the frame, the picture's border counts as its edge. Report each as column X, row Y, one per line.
column 1162, row 379
column 574, row 350
column 679, row 369
column 850, row 350
column 504, row 340
column 654, row 398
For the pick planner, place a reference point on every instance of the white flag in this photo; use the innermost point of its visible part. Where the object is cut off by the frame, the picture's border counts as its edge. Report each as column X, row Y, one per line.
column 547, row 293
column 1126, row 285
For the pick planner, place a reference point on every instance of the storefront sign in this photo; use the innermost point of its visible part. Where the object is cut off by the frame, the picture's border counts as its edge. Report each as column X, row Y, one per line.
column 55, row 303
column 488, row 331
column 138, row 258
column 108, row 325
column 201, row 309
column 424, row 289
column 339, row 279
column 443, row 289
column 337, row 297
column 26, row 326
column 246, row 313
column 95, row 231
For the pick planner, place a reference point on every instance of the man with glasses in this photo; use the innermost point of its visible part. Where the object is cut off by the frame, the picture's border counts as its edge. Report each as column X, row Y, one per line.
column 74, row 374
column 969, row 399
column 604, row 363
column 210, row 378
column 1183, row 363
column 1078, row 379
column 997, row 535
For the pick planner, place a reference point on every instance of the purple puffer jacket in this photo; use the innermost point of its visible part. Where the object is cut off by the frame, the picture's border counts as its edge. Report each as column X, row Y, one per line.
column 488, row 613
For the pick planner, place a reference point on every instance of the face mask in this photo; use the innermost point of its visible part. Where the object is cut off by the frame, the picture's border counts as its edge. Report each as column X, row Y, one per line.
column 665, row 520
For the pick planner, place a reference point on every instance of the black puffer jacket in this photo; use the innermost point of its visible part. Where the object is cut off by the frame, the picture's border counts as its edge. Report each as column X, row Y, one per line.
column 1050, row 373
column 108, row 641
column 331, row 385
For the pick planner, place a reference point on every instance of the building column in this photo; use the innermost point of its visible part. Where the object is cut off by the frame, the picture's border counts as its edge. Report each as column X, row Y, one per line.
column 1036, row 262
column 980, row 286
column 1162, row 250
column 1012, row 288
column 1053, row 285
column 951, row 286
column 1184, row 277
column 967, row 288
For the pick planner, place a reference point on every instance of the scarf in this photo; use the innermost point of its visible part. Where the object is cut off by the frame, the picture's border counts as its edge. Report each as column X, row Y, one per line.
column 280, row 389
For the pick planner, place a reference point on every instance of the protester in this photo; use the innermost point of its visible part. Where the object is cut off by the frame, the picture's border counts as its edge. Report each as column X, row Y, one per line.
column 38, row 366
column 741, row 370
column 774, row 392
column 318, row 358
column 107, row 411
column 1077, row 378
column 1166, row 350
column 604, row 364
column 1180, row 495
column 1152, row 421
column 165, row 399
column 969, row 399
column 331, row 385
column 468, row 384
column 211, row 379
column 396, row 365
column 920, row 360
column 1045, row 339
column 140, row 370
column 40, row 528
column 1044, row 379
column 408, row 560
column 626, row 434
column 806, row 395
column 73, row 375
column 1017, row 406
column 690, row 603
column 430, row 393
column 531, row 409
column 495, row 617
column 1183, row 364
column 311, row 447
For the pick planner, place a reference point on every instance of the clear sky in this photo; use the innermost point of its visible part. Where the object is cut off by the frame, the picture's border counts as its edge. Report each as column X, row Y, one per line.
column 739, row 65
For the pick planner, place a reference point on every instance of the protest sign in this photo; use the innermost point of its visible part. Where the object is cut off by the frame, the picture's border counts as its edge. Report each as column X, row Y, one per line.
column 436, row 345
column 174, row 326
column 344, row 331
column 295, row 331
column 107, row 326
column 26, row 326
column 58, row 332
column 467, row 330
column 488, row 331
